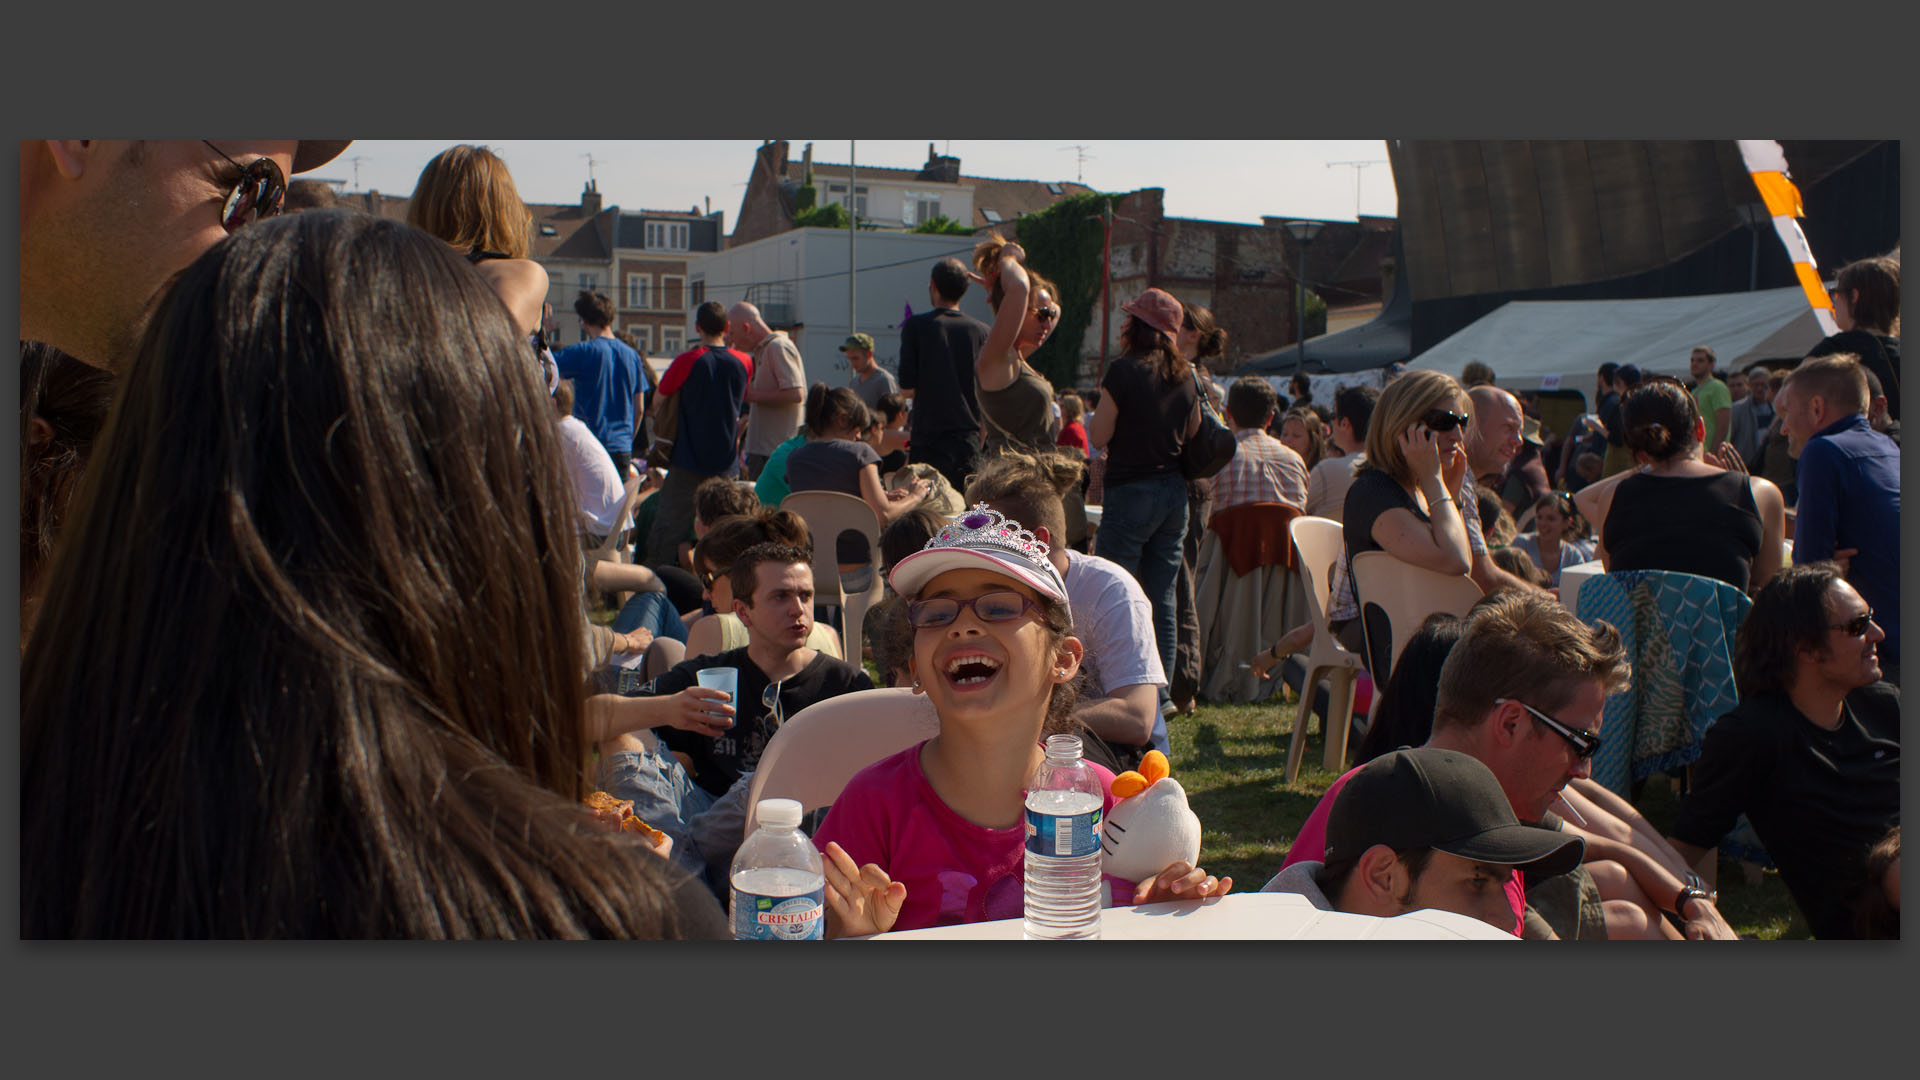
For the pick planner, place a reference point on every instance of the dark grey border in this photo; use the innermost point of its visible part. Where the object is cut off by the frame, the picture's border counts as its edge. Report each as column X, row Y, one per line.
column 1491, row 70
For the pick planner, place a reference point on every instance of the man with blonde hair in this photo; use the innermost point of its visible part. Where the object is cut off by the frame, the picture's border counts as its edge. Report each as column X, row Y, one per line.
column 1523, row 692
column 1848, row 484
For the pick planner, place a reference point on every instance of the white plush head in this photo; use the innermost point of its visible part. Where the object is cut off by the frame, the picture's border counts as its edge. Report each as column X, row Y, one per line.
column 1147, row 832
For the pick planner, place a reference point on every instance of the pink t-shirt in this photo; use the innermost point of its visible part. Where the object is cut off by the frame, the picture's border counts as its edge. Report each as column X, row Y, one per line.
column 954, row 871
column 1311, row 846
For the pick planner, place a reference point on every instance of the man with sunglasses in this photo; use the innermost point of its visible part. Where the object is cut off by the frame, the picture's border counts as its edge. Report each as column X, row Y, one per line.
column 1811, row 754
column 105, row 223
column 702, row 803
column 1523, row 693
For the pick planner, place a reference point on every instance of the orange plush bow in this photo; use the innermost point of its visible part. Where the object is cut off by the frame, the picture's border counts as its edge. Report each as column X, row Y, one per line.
column 1153, row 767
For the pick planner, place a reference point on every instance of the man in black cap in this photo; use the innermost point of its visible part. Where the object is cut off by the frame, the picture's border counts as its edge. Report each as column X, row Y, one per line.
column 105, row 223
column 1426, row 828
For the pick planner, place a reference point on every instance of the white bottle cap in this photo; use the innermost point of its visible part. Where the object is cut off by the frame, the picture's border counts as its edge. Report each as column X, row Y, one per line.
column 780, row 813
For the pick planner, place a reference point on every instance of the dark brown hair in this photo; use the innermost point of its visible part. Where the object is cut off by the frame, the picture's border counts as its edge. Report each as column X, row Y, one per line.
column 1213, row 340
column 1789, row 614
column 742, row 574
column 729, row 536
column 719, row 497
column 1250, row 401
column 594, row 308
column 72, row 399
column 1661, row 418
column 1161, row 353
column 1877, row 281
column 829, row 409
column 329, row 546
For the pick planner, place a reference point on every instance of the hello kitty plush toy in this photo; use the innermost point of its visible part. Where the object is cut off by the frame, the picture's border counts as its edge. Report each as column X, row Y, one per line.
column 1150, row 828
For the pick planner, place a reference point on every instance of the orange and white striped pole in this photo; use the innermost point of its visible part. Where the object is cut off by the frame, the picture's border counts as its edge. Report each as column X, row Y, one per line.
column 1767, row 163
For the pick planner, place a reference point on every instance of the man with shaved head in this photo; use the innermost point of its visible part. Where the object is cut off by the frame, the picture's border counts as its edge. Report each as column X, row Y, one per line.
column 778, row 387
column 1492, row 441
column 105, row 223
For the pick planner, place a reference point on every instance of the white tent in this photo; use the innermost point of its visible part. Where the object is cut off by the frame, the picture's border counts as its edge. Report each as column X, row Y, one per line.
column 1559, row 344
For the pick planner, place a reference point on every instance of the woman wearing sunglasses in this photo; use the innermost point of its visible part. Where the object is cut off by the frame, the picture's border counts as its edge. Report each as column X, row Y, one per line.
column 466, row 197
column 309, row 636
column 1015, row 400
column 1679, row 511
column 933, row 835
column 1403, row 496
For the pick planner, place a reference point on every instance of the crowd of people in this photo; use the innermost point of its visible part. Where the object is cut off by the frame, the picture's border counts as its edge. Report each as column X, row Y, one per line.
column 349, row 591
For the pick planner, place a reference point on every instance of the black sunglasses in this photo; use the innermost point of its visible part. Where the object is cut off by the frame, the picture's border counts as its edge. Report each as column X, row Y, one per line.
column 1856, row 626
column 999, row 606
column 770, row 700
column 1584, row 743
column 259, row 193
column 1046, row 314
column 1442, row 419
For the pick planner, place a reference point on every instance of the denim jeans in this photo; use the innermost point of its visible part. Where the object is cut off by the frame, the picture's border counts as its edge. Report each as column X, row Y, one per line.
column 664, row 796
column 653, row 612
column 1142, row 525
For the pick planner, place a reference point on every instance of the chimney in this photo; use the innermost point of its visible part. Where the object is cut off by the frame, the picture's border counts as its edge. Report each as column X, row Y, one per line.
column 709, row 204
column 806, row 163
column 940, row 169
column 590, row 198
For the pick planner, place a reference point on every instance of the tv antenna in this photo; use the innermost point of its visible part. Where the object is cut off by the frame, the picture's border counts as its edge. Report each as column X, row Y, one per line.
column 1357, row 167
column 357, row 159
column 590, row 164
column 1081, row 157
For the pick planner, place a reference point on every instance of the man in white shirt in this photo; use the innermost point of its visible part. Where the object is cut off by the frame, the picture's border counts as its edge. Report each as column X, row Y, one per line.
column 1112, row 616
column 1327, row 484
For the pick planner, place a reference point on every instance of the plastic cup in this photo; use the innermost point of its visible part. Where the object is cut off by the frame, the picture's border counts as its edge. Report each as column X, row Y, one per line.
column 721, row 678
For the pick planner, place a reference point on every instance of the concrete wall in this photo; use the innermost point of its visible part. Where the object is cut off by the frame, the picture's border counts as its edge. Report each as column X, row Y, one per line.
column 892, row 273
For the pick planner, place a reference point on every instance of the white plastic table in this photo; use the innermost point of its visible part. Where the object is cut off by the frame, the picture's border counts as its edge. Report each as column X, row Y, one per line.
column 1253, row 916
column 1572, row 578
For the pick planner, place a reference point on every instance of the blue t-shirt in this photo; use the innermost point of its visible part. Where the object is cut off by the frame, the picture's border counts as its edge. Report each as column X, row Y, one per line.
column 606, row 374
column 1849, row 486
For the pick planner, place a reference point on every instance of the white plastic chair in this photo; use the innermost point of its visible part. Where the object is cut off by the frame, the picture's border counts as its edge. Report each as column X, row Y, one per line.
column 1317, row 544
column 828, row 514
column 1406, row 594
column 813, row 755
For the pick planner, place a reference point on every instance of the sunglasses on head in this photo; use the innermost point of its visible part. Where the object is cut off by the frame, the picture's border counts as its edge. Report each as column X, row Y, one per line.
column 259, row 193
column 999, row 606
column 1856, row 626
column 1046, row 314
column 1584, row 743
column 1442, row 419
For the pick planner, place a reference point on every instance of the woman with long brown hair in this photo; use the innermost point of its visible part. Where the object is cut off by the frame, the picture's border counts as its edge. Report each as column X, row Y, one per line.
column 1015, row 400
column 307, row 666
column 466, row 197
column 1149, row 408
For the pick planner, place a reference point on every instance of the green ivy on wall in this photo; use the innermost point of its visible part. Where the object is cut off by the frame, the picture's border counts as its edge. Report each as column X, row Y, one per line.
column 1064, row 243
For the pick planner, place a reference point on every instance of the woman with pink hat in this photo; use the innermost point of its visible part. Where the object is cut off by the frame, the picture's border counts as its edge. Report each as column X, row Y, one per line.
column 1148, row 410
column 933, row 835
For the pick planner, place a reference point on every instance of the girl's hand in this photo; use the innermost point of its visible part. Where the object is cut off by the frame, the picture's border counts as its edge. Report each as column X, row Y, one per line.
column 1181, row 881
column 1728, row 458
column 860, row 899
column 1418, row 446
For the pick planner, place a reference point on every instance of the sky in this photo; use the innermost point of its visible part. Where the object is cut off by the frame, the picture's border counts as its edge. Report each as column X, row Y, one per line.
column 1215, row 181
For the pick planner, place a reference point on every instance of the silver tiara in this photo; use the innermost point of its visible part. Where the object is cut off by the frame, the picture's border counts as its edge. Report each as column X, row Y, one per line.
column 981, row 527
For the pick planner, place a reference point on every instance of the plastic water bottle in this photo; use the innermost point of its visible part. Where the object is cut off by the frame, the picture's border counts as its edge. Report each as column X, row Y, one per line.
column 1062, row 872
column 779, row 888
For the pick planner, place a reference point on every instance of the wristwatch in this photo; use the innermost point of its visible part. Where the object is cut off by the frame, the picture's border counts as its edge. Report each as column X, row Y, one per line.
column 1689, row 892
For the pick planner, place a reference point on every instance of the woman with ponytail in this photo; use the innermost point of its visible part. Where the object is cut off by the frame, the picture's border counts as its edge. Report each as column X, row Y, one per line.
column 1679, row 511
column 836, row 458
column 1149, row 408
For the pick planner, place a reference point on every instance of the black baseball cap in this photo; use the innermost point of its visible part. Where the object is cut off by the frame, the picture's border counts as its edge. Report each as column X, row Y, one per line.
column 1445, row 800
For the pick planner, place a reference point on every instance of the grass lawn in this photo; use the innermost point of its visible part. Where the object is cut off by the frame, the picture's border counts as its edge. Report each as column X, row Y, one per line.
column 1232, row 760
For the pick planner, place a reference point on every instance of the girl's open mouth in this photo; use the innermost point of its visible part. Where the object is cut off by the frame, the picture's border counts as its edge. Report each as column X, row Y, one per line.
column 972, row 670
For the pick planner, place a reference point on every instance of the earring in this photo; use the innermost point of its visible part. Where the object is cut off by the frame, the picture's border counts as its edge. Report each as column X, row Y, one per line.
column 916, row 684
